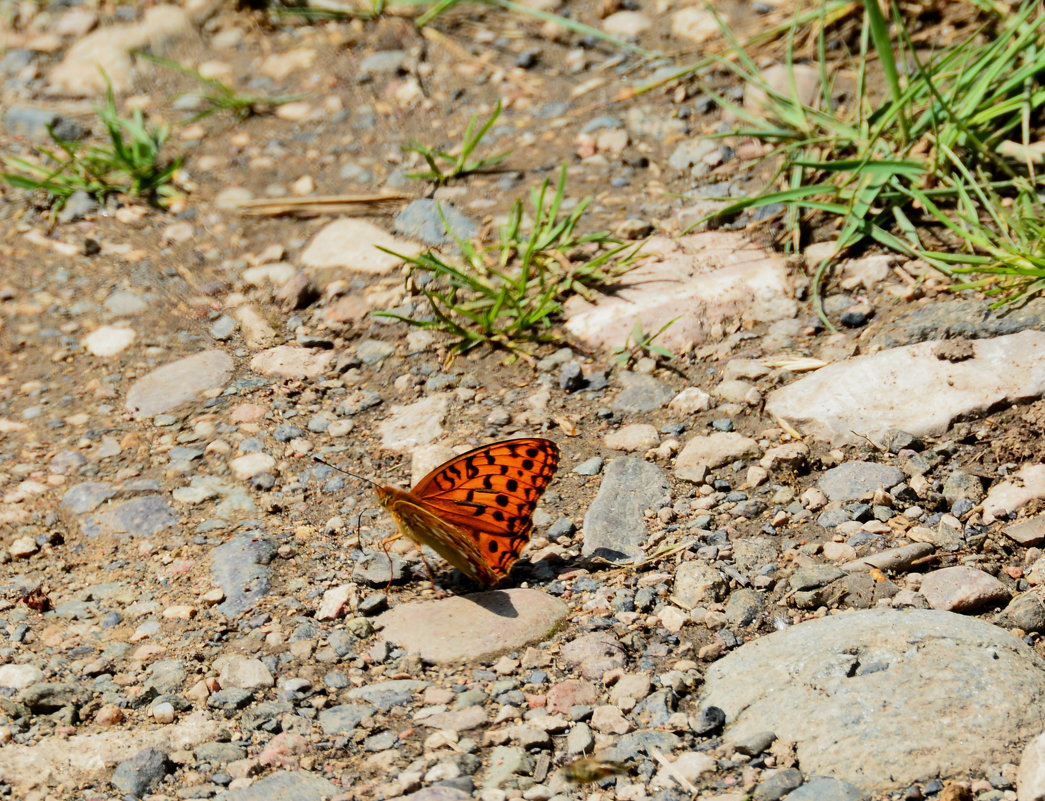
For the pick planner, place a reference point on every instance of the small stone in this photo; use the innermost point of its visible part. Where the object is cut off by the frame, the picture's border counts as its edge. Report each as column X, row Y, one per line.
column 962, row 589
column 854, row 480
column 244, row 672
column 109, row 340
column 708, row 452
column 634, row 437
column 708, row 721
column 1029, row 533
column 690, row 401
column 109, row 715
column 23, row 547
column 608, row 719
column 777, row 783
column 163, row 712
column 589, row 467
column 142, row 773
column 335, row 602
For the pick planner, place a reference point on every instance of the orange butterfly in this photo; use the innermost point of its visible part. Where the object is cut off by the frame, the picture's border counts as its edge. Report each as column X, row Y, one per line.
column 476, row 510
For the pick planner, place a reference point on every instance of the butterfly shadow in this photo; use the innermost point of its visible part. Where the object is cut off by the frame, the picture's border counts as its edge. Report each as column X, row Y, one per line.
column 497, row 602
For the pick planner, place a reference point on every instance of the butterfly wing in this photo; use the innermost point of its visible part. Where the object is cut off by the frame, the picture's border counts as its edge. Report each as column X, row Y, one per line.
column 479, row 505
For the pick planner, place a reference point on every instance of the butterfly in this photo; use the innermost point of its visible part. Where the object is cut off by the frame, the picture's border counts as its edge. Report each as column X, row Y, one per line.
column 592, row 769
column 476, row 510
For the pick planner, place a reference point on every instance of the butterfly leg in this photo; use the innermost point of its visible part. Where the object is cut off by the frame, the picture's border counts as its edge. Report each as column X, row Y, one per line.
column 384, row 547
column 431, row 576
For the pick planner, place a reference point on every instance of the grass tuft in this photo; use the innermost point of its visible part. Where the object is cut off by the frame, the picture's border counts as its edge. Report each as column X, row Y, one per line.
column 510, row 294
column 218, row 96
column 457, row 165
column 128, row 164
column 922, row 162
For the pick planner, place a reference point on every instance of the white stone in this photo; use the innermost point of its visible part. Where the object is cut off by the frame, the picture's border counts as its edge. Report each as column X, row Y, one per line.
column 696, row 24
column 251, row 464
column 690, row 401
column 626, row 24
column 19, row 677
column 352, row 243
column 109, row 340
column 868, row 395
column 1030, row 780
column 702, row 279
column 633, row 437
column 23, row 547
column 243, row 672
column 335, row 602
column 272, row 274
column 708, row 452
column 419, row 423
column 288, row 361
column 1008, row 496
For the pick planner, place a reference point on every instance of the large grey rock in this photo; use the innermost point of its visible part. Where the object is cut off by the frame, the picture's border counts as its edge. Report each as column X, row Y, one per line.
column 615, row 525
column 869, row 395
column 883, row 698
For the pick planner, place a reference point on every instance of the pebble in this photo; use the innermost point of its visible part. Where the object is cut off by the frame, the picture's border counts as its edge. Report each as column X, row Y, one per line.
column 641, row 393
column 962, row 589
column 854, row 480
column 353, row 244
column 170, row 386
column 705, row 453
column 633, row 437
column 142, row 773
column 423, row 220
column 614, row 526
column 18, row 677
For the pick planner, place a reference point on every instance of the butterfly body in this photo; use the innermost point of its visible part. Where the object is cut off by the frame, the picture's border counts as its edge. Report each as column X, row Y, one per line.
column 593, row 769
column 476, row 510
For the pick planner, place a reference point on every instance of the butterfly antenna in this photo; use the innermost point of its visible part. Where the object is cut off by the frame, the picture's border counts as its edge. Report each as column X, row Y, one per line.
column 346, row 472
column 359, row 530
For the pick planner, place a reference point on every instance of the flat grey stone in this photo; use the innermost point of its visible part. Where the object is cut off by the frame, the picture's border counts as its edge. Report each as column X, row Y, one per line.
column 33, row 123
column 420, row 220
column 290, row 785
column 974, row 319
column 641, row 393
column 865, row 699
column 853, row 480
column 824, row 788
column 240, row 568
column 344, row 718
column 1029, row 532
column 471, row 627
column 1027, row 611
column 142, row 772
column 868, row 395
column 615, row 525
column 140, row 517
column 179, row 382
column 387, row 694
column 87, row 496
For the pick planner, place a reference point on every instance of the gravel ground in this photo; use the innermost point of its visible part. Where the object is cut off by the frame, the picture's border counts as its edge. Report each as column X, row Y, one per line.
column 191, row 607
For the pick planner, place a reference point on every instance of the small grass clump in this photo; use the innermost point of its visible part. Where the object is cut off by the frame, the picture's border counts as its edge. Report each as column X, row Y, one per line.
column 457, row 165
column 130, row 163
column 937, row 164
column 510, row 293
column 640, row 344
column 217, row 96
